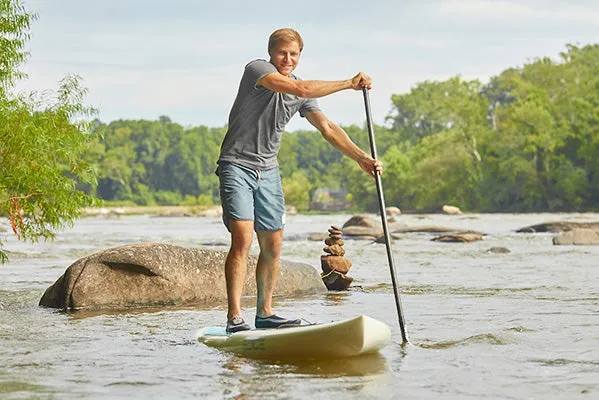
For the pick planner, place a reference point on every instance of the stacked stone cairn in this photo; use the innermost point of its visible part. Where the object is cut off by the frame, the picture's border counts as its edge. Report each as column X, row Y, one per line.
column 334, row 264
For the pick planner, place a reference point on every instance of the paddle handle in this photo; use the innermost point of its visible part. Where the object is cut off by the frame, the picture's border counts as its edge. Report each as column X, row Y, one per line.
column 379, row 190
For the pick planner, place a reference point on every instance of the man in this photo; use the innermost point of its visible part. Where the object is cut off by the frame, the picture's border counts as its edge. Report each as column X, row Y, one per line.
column 250, row 184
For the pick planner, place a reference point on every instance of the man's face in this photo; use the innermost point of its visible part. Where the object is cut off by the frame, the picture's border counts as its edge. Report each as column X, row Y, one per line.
column 285, row 57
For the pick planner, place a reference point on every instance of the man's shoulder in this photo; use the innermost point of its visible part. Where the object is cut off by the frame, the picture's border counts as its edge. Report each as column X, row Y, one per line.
column 259, row 63
column 256, row 60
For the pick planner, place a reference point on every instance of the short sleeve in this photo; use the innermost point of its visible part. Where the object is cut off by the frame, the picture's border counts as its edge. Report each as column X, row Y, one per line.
column 307, row 106
column 258, row 69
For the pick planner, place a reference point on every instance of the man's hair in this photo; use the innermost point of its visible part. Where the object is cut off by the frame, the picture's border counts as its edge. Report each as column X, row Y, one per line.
column 284, row 35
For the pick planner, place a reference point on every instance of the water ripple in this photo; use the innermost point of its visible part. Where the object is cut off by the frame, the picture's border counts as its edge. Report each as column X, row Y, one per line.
column 459, row 290
column 485, row 338
column 564, row 361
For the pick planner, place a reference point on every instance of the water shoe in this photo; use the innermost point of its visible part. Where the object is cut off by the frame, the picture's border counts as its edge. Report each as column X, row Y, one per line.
column 274, row 321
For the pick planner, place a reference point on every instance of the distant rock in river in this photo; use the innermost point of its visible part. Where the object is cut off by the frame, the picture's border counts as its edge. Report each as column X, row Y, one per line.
column 580, row 237
column 561, row 226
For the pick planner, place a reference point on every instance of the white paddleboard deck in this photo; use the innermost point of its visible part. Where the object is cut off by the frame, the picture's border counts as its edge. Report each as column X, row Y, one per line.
column 334, row 340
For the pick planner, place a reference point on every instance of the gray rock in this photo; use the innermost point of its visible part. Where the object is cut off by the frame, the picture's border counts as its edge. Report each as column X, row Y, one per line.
column 467, row 237
column 383, row 240
column 499, row 250
column 429, row 229
column 393, row 211
column 317, row 237
column 361, row 220
column 578, row 237
column 362, row 232
column 451, row 210
column 562, row 226
column 158, row 274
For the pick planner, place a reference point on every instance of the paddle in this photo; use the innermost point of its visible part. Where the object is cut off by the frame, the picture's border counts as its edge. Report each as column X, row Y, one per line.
column 379, row 189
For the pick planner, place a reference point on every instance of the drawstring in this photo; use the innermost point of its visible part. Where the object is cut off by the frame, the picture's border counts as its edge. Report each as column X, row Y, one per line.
column 258, row 174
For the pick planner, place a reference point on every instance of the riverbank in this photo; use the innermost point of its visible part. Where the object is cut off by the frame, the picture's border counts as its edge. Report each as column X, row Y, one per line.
column 161, row 211
column 165, row 211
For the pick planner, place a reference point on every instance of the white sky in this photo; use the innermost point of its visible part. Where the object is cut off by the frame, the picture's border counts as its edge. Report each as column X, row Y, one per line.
column 184, row 58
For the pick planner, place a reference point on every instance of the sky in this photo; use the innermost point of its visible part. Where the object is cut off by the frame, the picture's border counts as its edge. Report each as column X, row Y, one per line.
column 141, row 59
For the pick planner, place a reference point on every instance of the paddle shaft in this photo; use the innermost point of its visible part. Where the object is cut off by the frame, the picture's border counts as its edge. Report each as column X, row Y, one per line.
column 379, row 189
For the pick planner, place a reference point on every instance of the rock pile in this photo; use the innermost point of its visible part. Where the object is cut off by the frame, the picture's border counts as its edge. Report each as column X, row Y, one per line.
column 334, row 264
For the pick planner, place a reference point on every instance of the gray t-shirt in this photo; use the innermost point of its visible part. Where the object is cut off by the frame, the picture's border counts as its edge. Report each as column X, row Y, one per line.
column 258, row 118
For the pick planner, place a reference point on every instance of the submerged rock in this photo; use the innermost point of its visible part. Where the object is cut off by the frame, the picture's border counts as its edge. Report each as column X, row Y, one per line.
column 158, row 274
column 499, row 250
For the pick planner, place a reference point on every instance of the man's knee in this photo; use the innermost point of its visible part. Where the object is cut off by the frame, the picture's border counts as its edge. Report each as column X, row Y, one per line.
column 271, row 253
column 242, row 233
column 270, row 244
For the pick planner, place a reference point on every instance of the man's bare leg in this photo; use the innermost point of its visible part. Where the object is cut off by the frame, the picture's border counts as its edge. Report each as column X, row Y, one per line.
column 236, row 264
column 267, row 269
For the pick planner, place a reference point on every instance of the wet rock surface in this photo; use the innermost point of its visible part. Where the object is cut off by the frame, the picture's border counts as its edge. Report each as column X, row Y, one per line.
column 158, row 274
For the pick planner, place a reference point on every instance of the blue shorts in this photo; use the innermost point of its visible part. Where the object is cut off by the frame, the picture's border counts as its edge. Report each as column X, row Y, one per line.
column 252, row 195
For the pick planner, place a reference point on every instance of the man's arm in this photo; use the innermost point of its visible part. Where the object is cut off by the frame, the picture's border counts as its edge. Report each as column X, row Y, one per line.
column 277, row 82
column 336, row 136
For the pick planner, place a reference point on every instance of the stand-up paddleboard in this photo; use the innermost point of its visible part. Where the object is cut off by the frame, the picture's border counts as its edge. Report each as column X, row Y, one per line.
column 334, row 340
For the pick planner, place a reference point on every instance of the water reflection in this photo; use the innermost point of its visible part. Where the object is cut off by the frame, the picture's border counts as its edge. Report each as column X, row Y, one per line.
column 487, row 338
column 15, row 387
column 368, row 364
column 335, row 298
column 241, row 376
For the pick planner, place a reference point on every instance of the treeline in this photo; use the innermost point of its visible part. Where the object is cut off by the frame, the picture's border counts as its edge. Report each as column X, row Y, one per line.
column 526, row 141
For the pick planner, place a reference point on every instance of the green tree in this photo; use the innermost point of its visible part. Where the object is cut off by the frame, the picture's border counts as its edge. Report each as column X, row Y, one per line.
column 297, row 189
column 439, row 126
column 41, row 141
column 543, row 138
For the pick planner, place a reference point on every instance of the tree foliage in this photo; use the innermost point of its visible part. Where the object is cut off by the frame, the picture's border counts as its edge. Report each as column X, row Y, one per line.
column 523, row 142
column 42, row 140
column 155, row 162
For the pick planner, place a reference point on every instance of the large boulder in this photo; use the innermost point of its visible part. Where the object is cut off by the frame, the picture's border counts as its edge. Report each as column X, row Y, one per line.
column 582, row 237
column 158, row 274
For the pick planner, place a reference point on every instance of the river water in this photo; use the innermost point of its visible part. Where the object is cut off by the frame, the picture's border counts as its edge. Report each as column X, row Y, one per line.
column 481, row 325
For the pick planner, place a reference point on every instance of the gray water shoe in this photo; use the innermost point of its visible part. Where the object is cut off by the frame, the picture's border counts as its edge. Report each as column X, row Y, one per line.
column 237, row 324
column 274, row 321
